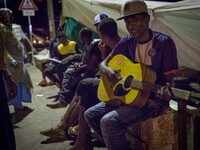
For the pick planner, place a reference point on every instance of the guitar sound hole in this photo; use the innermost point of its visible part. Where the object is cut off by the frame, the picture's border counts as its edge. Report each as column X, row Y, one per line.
column 120, row 91
column 127, row 82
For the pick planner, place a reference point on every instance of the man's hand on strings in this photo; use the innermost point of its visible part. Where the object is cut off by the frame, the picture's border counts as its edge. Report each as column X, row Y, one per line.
column 77, row 65
column 164, row 93
column 113, row 75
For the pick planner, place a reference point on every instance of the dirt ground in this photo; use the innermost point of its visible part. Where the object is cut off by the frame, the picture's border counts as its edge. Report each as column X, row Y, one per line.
column 27, row 131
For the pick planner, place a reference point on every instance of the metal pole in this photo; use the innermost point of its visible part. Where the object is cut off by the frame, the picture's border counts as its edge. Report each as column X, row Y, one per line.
column 30, row 32
column 5, row 4
column 182, row 125
column 51, row 19
column 196, row 132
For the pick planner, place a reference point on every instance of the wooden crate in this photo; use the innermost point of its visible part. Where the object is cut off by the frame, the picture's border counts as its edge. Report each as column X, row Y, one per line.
column 158, row 133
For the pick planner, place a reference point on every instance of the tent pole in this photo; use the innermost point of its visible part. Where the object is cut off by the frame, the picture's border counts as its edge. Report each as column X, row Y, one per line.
column 5, row 4
column 51, row 19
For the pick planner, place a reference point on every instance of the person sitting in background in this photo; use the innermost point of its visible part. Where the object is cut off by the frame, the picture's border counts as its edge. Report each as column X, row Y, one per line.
column 109, row 120
column 18, row 71
column 47, row 63
column 65, row 49
column 88, row 67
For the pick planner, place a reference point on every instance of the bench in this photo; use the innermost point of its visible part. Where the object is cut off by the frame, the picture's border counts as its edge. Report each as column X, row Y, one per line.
column 40, row 58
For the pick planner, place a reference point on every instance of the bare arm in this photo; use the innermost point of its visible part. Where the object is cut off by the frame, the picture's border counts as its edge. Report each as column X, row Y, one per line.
column 103, row 67
column 102, row 48
column 112, row 74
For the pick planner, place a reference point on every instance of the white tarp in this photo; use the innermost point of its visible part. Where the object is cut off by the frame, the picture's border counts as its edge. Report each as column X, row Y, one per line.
column 180, row 20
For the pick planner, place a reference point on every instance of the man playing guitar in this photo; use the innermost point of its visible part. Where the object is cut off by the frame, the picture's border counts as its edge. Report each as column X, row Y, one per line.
column 150, row 48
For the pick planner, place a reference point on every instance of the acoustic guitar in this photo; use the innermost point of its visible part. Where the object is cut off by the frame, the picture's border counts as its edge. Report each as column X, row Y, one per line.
column 135, row 83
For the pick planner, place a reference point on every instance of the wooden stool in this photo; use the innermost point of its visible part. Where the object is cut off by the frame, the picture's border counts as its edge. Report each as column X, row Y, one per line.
column 154, row 134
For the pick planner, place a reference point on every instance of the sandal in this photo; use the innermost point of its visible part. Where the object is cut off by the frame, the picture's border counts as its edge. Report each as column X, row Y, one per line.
column 42, row 83
column 53, row 132
column 73, row 131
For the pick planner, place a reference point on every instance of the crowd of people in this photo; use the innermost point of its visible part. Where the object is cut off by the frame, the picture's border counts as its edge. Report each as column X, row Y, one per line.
column 82, row 74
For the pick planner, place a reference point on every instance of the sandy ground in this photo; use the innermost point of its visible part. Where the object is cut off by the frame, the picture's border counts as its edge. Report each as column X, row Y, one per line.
column 27, row 131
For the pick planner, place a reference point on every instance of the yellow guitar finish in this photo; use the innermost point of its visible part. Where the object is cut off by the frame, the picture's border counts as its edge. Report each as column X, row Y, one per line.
column 126, row 67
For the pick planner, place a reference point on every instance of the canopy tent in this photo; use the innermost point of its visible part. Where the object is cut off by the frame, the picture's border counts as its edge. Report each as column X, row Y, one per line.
column 180, row 20
column 72, row 28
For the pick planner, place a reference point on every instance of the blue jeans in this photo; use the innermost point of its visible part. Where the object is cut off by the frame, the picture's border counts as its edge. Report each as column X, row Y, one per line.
column 87, row 90
column 110, row 122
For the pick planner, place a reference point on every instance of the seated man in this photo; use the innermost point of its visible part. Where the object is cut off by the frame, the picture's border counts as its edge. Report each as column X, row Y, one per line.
column 64, row 49
column 109, row 120
column 87, row 68
column 44, row 65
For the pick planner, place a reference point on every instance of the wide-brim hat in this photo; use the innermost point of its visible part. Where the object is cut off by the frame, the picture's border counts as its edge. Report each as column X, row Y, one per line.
column 132, row 7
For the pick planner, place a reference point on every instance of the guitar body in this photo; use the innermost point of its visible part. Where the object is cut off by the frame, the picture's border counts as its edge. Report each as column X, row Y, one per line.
column 119, row 91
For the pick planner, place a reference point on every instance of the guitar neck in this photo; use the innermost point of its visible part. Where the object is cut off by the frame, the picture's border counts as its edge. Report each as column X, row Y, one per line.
column 151, row 87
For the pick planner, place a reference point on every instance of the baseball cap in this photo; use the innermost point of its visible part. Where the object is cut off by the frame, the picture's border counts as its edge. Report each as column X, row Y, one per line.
column 99, row 17
column 132, row 7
